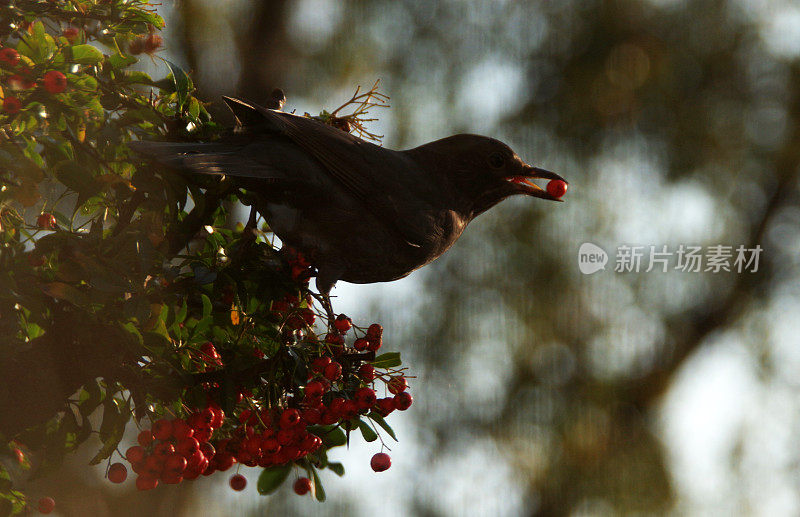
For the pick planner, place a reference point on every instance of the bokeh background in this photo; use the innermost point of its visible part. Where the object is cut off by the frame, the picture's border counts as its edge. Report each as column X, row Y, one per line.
column 540, row 390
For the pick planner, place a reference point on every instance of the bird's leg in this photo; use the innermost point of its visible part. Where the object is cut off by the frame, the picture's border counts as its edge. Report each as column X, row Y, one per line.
column 252, row 224
column 326, row 303
column 326, row 279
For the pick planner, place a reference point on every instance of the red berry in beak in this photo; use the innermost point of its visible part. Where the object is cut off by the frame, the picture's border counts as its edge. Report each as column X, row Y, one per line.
column 556, row 188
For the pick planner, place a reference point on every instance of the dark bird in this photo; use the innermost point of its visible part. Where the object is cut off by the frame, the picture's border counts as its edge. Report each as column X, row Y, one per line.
column 359, row 212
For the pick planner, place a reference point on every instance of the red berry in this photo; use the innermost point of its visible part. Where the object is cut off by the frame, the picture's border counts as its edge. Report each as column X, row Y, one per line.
column 334, row 339
column 397, row 384
column 302, row 486
column 286, row 436
column 349, row 409
column 375, row 330
column 361, row 344
column 218, row 417
column 311, row 416
column 9, row 56
column 46, row 504
column 386, row 406
column 11, row 105
column 238, row 482
column 343, row 323
column 328, row 417
column 46, row 221
column 374, row 343
column 135, row 454
column 365, row 398
column 209, row 354
column 314, row 389
column 203, row 434
column 308, row 316
column 208, row 450
column 366, row 372
column 175, row 463
column 557, row 188
column 163, row 449
column 195, row 460
column 270, row 446
column 117, row 473
column 181, row 430
column 337, row 406
column 319, row 364
column 153, row 466
column 380, row 462
column 223, row 461
column 403, row 400
column 252, row 445
column 187, row 447
column 72, row 34
column 333, row 371
column 146, row 482
column 54, row 82
column 162, row 429
column 311, row 443
column 145, row 438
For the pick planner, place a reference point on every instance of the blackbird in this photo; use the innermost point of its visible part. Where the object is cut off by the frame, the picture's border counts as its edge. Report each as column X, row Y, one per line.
column 359, row 212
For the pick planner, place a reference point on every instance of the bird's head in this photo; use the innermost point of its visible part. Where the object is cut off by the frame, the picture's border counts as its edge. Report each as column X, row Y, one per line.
column 485, row 171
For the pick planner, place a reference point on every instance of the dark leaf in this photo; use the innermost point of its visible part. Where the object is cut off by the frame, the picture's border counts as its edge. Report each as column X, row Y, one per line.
column 272, row 478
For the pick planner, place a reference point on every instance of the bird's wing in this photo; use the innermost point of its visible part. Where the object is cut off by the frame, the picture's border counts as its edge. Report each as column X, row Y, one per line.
column 342, row 155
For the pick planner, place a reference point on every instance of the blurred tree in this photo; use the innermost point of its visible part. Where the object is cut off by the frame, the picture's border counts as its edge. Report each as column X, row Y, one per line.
column 676, row 123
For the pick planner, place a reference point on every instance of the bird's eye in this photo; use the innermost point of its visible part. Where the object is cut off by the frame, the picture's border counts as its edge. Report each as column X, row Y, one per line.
column 496, row 160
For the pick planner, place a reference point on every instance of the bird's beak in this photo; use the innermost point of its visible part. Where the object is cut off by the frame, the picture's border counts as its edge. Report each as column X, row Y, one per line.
column 527, row 187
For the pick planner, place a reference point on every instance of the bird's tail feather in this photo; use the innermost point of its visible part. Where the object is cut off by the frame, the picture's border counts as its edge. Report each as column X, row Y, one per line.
column 204, row 158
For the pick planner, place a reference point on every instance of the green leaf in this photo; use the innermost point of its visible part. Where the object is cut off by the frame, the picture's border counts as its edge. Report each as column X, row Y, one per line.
column 337, row 468
column 367, row 432
column 112, row 429
column 119, row 61
column 319, row 492
column 272, row 478
column 207, row 307
column 136, row 77
column 90, row 398
column 331, row 436
column 83, row 82
column 387, row 360
column 181, row 82
column 181, row 314
column 86, row 55
column 194, row 109
column 375, row 417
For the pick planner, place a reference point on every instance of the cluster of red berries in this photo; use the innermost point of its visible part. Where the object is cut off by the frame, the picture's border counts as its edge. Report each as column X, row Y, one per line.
column 174, row 450
column 337, row 391
column 52, row 81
